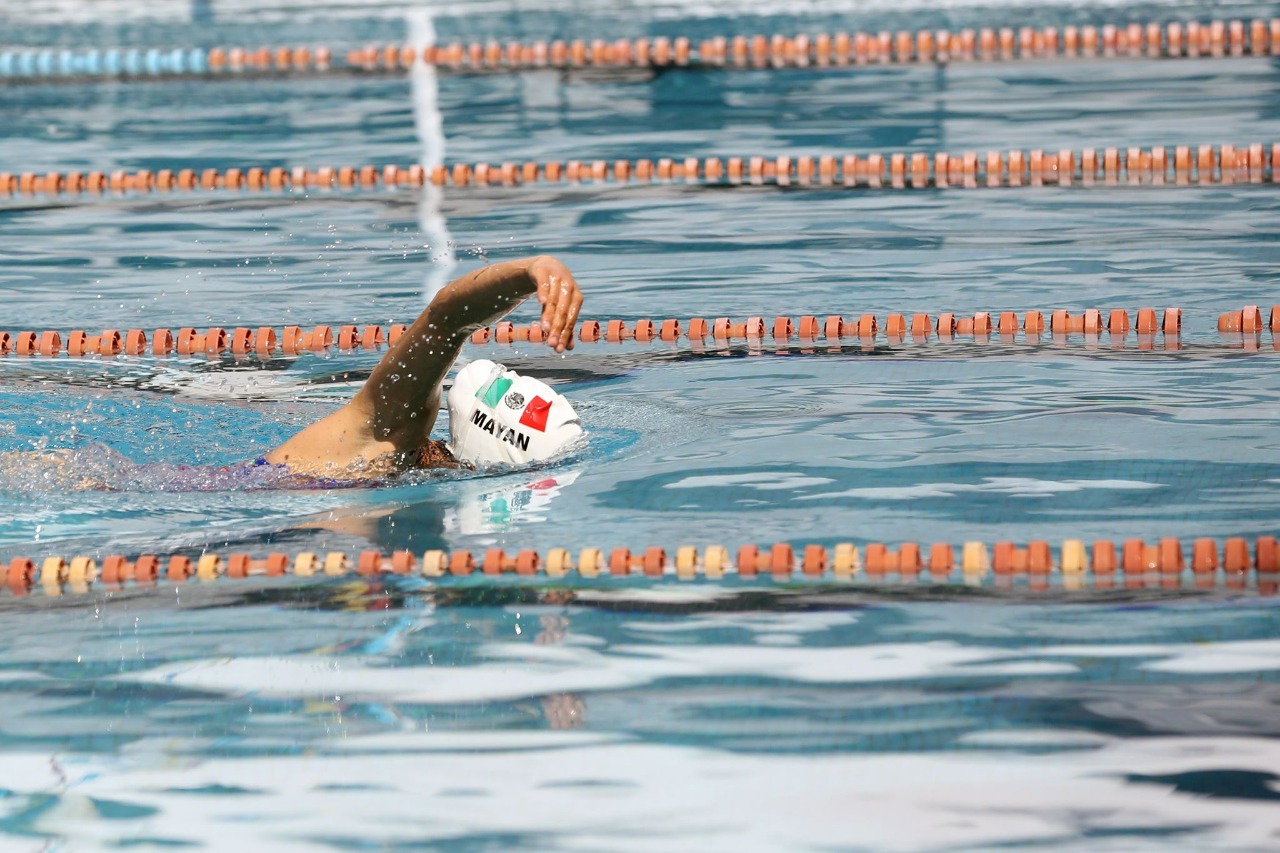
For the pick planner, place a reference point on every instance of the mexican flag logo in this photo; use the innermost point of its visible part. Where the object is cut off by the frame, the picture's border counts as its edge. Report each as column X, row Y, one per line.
column 535, row 412
column 493, row 394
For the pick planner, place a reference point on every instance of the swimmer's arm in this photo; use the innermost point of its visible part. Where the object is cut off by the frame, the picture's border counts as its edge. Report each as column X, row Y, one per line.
column 405, row 385
column 396, row 408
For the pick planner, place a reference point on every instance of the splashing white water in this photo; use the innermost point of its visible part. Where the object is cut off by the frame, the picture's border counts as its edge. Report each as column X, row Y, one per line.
column 430, row 126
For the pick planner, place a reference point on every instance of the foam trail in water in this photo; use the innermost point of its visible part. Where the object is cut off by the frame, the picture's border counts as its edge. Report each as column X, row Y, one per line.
column 430, row 126
column 98, row 467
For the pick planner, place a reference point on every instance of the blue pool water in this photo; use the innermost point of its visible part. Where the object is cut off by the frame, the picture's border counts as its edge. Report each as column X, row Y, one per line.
column 609, row 714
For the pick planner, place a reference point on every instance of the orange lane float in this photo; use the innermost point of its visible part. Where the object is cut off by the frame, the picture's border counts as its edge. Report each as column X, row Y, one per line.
column 1215, row 38
column 1063, row 326
column 1167, row 563
column 1178, row 165
column 1250, row 321
column 824, row 50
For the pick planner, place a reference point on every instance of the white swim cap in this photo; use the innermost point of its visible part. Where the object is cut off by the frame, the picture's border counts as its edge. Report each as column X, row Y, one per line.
column 498, row 416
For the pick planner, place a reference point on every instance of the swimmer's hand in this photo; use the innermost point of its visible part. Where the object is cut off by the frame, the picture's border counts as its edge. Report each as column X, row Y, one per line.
column 561, row 299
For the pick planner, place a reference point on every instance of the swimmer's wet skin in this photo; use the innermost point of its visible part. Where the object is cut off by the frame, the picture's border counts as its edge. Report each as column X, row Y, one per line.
column 386, row 427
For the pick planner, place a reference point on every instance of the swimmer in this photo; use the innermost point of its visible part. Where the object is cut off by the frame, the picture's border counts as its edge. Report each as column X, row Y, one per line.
column 495, row 415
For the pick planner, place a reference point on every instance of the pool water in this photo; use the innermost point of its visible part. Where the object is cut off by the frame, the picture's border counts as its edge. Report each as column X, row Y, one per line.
column 637, row 714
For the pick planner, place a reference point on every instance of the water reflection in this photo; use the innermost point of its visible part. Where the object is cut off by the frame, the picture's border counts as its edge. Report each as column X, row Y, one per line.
column 475, row 507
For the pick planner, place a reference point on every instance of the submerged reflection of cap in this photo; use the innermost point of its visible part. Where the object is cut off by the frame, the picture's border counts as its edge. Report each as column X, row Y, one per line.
column 497, row 416
column 499, row 510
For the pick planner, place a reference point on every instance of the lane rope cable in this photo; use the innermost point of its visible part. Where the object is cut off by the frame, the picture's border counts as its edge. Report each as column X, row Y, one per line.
column 1176, row 165
column 1136, row 564
column 1174, row 40
column 1246, row 325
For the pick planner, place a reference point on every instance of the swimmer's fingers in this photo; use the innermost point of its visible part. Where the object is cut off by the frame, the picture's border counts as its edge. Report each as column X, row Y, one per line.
column 561, row 299
column 549, row 284
column 560, row 326
column 571, row 321
column 549, row 278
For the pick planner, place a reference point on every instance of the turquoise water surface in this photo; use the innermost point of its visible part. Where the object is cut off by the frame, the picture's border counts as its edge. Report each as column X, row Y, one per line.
column 636, row 714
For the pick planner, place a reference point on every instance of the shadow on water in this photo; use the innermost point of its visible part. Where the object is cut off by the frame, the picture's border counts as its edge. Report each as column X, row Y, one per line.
column 1223, row 784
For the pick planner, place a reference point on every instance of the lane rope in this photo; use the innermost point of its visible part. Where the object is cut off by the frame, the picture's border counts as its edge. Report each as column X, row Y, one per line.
column 1101, row 565
column 1246, row 325
column 1174, row 40
column 1176, row 165
column 895, row 328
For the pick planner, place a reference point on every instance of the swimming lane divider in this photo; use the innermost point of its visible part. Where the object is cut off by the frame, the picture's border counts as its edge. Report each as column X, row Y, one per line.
column 1248, row 324
column 1174, row 40
column 1101, row 565
column 1178, row 165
